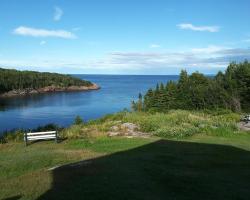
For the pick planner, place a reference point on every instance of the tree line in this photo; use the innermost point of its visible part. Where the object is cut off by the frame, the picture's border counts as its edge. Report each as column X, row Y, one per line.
column 11, row 79
column 228, row 90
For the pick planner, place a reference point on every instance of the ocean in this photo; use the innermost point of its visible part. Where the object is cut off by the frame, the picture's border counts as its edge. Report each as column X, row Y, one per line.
column 116, row 94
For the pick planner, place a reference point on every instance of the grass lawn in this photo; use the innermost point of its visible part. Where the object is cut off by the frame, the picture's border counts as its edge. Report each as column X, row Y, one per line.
column 200, row 167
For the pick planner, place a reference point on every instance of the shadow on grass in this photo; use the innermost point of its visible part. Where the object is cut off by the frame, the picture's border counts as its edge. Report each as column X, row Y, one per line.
column 160, row 170
column 14, row 197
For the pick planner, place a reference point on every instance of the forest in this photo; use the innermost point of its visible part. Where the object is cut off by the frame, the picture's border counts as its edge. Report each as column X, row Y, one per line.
column 11, row 79
column 226, row 90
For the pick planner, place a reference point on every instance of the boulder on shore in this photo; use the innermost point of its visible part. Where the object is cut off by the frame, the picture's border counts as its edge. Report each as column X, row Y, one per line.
column 126, row 129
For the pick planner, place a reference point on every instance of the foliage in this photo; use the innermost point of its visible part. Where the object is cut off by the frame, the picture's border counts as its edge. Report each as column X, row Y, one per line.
column 78, row 120
column 180, row 123
column 229, row 90
column 11, row 79
column 47, row 127
column 173, row 124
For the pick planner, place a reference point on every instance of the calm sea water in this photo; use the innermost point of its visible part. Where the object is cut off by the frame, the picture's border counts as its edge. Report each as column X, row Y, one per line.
column 116, row 93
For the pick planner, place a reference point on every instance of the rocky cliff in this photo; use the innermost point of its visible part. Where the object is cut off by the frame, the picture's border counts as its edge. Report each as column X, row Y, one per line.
column 28, row 91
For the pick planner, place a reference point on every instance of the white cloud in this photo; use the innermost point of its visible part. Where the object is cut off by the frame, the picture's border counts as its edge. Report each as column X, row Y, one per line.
column 154, row 46
column 58, row 13
column 34, row 32
column 206, row 60
column 199, row 28
column 42, row 42
column 208, row 50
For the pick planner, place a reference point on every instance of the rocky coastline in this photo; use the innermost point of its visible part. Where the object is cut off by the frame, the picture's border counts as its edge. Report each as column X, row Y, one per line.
column 48, row 89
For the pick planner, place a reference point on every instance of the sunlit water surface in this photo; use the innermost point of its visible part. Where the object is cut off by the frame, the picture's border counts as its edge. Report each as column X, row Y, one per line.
column 116, row 93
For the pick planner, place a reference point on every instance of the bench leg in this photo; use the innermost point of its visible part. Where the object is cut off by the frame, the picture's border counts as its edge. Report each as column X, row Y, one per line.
column 26, row 142
column 56, row 140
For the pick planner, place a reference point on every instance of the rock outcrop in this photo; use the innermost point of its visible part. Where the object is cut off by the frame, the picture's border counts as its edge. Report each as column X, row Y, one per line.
column 127, row 129
column 245, row 126
column 28, row 91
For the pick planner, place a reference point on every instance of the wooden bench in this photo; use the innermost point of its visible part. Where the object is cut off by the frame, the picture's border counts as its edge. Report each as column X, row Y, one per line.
column 48, row 135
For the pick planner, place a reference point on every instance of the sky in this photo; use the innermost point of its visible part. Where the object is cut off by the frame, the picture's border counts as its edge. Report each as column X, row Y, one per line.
column 124, row 36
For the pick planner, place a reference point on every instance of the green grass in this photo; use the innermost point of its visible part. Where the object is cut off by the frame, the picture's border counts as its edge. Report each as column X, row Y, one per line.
column 19, row 165
column 242, row 140
column 174, row 124
column 199, row 155
column 206, row 167
column 107, row 145
column 161, row 169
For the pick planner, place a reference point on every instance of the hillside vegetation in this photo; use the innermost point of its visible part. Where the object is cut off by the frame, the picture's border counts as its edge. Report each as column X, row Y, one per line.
column 229, row 90
column 173, row 124
column 11, row 79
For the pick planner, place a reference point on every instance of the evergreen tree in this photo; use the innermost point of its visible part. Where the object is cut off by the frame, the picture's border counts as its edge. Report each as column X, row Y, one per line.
column 140, row 103
column 229, row 90
column 14, row 80
column 134, row 106
column 149, row 99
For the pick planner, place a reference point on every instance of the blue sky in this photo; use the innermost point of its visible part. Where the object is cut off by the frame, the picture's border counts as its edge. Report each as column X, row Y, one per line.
column 123, row 36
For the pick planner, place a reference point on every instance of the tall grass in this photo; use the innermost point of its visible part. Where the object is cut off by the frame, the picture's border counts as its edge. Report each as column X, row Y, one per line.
column 180, row 123
column 173, row 124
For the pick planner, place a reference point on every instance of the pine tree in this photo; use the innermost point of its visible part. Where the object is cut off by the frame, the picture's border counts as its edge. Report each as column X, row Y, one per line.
column 148, row 100
column 229, row 90
column 78, row 120
column 140, row 103
column 134, row 106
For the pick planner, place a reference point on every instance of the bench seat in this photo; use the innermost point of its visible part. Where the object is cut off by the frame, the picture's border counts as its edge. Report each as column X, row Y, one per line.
column 47, row 135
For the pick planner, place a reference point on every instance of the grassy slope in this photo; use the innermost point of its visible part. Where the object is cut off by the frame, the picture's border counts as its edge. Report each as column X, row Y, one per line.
column 24, row 170
column 212, row 164
column 144, row 169
column 174, row 124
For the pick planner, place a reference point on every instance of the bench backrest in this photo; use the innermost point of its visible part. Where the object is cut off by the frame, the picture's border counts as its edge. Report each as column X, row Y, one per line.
column 40, row 136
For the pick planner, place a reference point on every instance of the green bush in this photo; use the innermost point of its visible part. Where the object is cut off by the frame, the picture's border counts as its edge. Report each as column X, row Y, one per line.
column 78, row 120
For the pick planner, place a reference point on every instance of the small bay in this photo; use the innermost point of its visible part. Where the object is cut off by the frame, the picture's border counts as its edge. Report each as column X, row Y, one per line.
column 116, row 94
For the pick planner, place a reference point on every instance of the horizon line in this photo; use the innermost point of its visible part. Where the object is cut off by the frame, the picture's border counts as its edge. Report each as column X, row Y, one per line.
column 134, row 74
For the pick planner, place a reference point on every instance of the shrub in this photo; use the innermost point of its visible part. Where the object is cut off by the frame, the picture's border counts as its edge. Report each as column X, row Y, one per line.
column 78, row 120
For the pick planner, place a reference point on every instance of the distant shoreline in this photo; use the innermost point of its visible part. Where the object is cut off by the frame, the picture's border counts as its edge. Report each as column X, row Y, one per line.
column 48, row 89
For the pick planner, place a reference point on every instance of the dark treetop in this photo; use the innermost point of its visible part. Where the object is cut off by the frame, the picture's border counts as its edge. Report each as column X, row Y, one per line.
column 11, row 79
column 228, row 90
